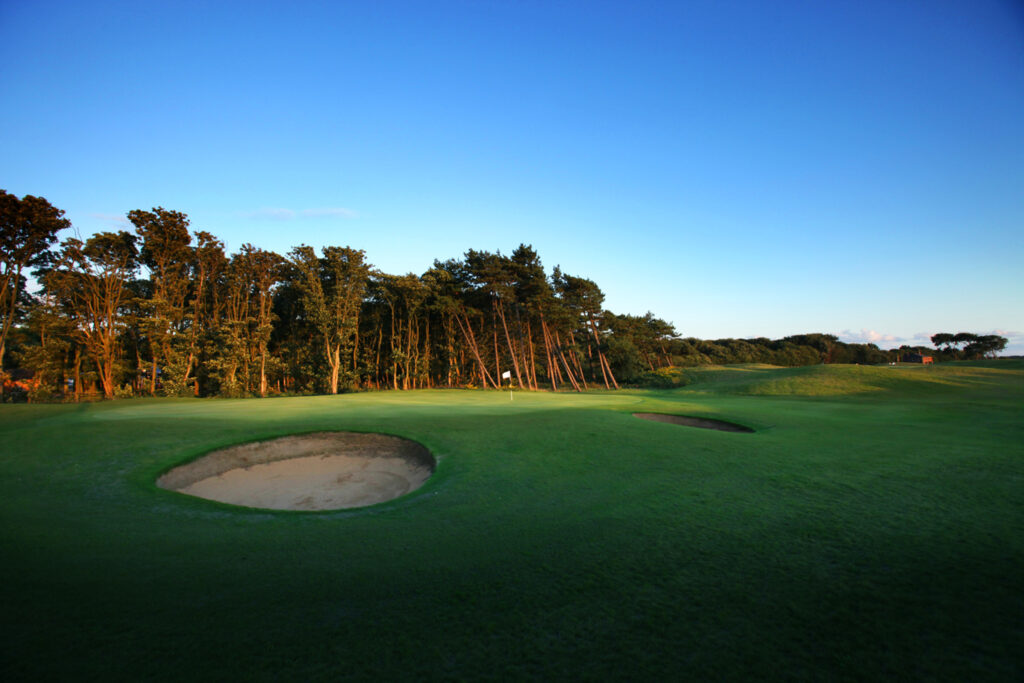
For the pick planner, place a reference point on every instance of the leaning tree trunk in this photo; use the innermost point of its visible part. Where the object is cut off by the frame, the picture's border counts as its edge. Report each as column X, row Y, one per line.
column 576, row 360
column 531, row 369
column 467, row 332
column 511, row 349
column 547, row 352
column 568, row 369
column 600, row 357
column 494, row 334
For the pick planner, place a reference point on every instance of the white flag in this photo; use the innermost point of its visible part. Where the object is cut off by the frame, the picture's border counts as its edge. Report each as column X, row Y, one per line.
column 507, row 374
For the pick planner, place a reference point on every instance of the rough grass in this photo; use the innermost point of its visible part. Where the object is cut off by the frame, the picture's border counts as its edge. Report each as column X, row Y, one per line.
column 845, row 380
column 870, row 528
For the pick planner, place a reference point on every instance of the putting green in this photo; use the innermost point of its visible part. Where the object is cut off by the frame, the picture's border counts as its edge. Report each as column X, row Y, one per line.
column 870, row 529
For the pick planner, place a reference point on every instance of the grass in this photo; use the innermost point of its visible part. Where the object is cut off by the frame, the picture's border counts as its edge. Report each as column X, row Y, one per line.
column 872, row 527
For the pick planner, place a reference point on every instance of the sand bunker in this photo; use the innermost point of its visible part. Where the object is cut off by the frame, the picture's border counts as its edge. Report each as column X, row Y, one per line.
column 702, row 422
column 322, row 471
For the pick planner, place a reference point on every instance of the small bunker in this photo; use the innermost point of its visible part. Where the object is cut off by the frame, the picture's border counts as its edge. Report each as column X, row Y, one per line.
column 702, row 422
column 321, row 471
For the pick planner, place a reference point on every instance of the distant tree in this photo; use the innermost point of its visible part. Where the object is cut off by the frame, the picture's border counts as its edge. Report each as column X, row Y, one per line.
column 646, row 335
column 964, row 339
column 403, row 298
column 227, row 348
column 533, row 294
column 943, row 339
column 28, row 228
column 208, row 266
column 966, row 345
column 53, row 329
column 824, row 343
column 494, row 275
column 985, row 346
column 586, row 299
column 262, row 270
column 464, row 303
column 443, row 303
column 92, row 277
column 167, row 254
column 332, row 290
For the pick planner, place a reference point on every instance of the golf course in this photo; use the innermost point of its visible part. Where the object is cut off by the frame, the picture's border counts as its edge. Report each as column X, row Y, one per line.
column 870, row 526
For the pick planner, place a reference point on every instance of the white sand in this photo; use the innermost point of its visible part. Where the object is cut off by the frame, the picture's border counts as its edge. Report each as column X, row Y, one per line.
column 324, row 471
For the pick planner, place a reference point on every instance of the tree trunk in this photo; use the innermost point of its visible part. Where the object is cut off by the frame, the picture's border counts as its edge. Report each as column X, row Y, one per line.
column 568, row 369
column 334, row 360
column 494, row 330
column 394, row 358
column 600, row 356
column 511, row 349
column 467, row 332
column 263, row 373
column 78, row 374
column 376, row 361
column 355, row 355
column 604, row 360
column 106, row 372
column 426, row 353
column 451, row 350
column 576, row 360
column 531, row 369
column 411, row 351
column 547, row 353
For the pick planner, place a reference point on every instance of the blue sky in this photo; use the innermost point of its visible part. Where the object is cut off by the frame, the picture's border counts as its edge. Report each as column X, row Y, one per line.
column 739, row 168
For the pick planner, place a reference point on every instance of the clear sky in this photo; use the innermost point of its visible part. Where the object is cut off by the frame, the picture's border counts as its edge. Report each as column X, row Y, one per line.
column 741, row 169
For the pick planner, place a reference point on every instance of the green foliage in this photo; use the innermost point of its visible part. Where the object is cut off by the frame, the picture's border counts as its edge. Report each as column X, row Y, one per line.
column 624, row 357
column 28, row 228
column 40, row 394
column 175, row 378
column 663, row 378
column 969, row 346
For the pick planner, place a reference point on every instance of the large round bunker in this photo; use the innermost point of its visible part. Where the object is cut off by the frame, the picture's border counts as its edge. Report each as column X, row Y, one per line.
column 320, row 471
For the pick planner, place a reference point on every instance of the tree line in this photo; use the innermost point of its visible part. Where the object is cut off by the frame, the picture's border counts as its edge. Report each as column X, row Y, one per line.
column 165, row 310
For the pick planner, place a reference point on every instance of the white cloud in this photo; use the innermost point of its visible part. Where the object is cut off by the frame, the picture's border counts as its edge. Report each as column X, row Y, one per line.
column 868, row 337
column 336, row 212
column 117, row 219
column 282, row 214
column 270, row 213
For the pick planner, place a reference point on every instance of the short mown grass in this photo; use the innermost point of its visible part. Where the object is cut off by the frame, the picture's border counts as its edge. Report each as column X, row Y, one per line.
column 871, row 527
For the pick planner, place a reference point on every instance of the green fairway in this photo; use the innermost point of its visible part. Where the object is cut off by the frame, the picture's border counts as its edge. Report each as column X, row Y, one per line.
column 872, row 527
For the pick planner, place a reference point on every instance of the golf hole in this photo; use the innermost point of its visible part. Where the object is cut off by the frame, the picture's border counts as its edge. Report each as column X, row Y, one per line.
column 321, row 471
column 702, row 422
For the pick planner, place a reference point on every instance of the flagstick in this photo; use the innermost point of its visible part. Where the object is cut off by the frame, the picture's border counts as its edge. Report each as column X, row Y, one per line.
column 508, row 374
